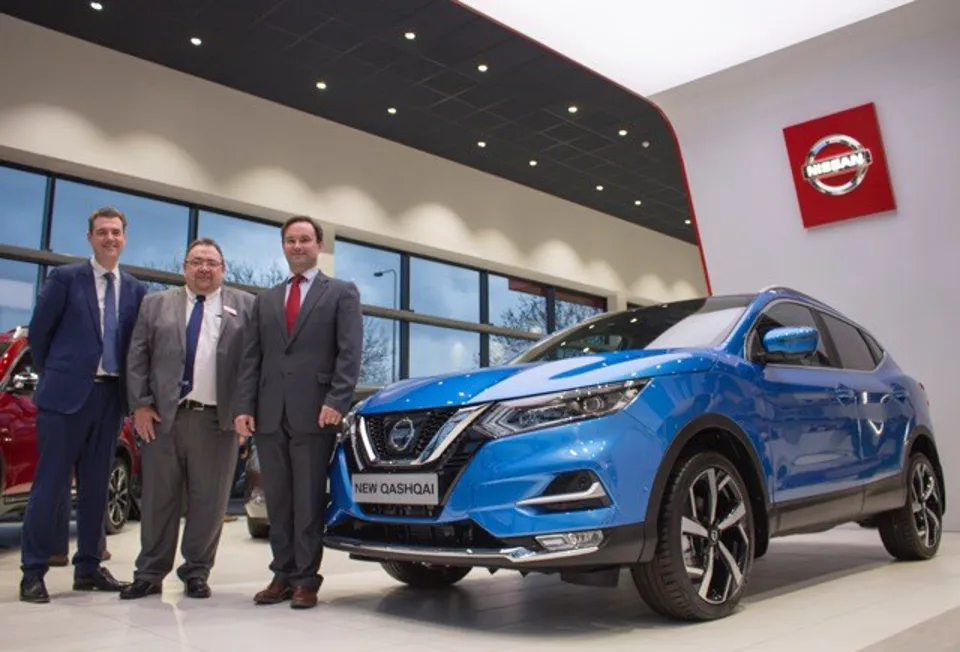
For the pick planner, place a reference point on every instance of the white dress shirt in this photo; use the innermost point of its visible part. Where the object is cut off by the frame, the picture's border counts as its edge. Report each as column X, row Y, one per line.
column 205, row 365
column 308, row 277
column 101, row 284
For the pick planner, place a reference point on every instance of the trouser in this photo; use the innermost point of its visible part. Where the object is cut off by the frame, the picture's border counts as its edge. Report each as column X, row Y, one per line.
column 85, row 441
column 193, row 462
column 294, row 471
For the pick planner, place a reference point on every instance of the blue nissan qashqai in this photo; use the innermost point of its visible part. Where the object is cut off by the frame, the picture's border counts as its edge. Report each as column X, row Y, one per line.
column 673, row 440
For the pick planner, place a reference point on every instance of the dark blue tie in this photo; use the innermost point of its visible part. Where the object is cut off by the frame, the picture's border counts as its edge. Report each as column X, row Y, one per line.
column 193, row 336
column 111, row 361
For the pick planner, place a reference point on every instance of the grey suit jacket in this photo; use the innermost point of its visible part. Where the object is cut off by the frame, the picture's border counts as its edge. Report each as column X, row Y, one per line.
column 317, row 364
column 158, row 353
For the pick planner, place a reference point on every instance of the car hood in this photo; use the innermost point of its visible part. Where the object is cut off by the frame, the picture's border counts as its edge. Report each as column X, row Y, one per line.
column 516, row 381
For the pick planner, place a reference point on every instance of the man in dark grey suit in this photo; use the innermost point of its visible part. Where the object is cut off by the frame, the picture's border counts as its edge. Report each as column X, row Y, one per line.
column 300, row 367
column 182, row 369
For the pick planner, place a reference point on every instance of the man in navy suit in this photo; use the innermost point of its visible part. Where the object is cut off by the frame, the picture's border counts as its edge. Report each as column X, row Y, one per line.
column 79, row 335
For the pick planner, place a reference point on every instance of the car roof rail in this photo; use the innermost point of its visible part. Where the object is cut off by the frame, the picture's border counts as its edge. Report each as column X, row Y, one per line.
column 18, row 332
column 785, row 288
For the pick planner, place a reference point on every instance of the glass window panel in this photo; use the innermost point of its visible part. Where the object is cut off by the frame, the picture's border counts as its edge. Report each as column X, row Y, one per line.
column 444, row 290
column 18, row 291
column 435, row 350
column 21, row 208
column 505, row 349
column 380, row 362
column 156, row 230
column 572, row 308
column 253, row 250
column 376, row 272
column 519, row 304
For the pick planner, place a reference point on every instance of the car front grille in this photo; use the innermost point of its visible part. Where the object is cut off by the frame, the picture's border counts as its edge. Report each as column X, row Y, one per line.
column 426, row 424
column 461, row 534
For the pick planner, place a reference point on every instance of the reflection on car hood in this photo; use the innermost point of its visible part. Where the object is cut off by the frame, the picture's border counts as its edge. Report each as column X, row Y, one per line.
column 515, row 381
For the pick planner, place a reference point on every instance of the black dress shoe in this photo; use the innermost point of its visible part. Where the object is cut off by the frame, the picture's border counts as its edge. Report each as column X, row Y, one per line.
column 32, row 589
column 98, row 580
column 197, row 587
column 139, row 589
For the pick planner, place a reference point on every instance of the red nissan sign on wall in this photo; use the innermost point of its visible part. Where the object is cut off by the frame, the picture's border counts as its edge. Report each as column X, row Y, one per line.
column 839, row 167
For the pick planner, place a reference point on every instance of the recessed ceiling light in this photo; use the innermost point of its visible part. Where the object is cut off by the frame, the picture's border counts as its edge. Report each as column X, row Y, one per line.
column 481, row 144
column 637, row 202
column 392, row 110
column 686, row 222
column 410, row 36
column 533, row 164
column 600, row 188
column 623, row 132
column 572, row 109
column 645, row 144
column 96, row 6
column 483, row 67
column 322, row 85
column 196, row 41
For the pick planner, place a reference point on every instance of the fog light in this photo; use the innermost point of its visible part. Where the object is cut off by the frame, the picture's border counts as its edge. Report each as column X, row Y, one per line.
column 571, row 540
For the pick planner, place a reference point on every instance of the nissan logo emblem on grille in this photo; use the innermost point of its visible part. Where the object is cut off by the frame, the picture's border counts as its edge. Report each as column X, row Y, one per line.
column 847, row 157
column 401, row 436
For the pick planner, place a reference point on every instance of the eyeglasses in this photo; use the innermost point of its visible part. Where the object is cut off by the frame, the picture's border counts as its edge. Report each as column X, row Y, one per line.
column 197, row 263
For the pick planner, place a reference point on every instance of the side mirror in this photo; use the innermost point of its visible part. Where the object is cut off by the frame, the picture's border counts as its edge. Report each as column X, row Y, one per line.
column 24, row 382
column 789, row 343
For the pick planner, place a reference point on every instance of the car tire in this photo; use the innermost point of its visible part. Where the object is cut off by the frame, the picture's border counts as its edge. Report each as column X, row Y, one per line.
column 704, row 554
column 119, row 496
column 760, row 546
column 425, row 576
column 913, row 532
column 258, row 530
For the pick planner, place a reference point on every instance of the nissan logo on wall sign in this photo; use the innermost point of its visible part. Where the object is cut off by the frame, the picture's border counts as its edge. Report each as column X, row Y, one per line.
column 822, row 171
column 839, row 167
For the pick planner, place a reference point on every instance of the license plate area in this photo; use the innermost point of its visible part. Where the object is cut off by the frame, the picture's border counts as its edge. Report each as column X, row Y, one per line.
column 395, row 488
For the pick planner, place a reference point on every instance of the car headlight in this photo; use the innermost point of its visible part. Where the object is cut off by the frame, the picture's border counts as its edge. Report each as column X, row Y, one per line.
column 532, row 413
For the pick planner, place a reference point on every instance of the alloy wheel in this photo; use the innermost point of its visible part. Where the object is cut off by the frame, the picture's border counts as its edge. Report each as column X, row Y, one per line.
column 119, row 495
column 714, row 536
column 926, row 504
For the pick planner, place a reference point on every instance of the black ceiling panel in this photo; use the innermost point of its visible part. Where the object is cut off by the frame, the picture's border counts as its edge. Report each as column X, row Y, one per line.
column 518, row 105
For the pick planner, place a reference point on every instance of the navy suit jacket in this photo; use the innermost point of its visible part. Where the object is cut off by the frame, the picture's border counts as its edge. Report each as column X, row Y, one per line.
column 66, row 337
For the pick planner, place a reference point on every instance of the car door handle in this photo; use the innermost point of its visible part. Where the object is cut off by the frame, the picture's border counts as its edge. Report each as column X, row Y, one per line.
column 845, row 394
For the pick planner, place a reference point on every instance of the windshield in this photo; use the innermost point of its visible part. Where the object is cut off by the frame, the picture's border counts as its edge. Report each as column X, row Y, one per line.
column 698, row 323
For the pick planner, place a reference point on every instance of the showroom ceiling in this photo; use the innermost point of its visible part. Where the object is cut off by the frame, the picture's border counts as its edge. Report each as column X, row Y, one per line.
column 430, row 74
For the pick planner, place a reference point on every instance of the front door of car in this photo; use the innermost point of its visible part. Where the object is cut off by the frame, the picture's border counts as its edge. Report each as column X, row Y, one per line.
column 811, row 422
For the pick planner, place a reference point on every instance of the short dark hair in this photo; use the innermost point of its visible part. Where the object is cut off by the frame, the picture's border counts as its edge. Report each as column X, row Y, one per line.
column 204, row 242
column 108, row 212
column 302, row 218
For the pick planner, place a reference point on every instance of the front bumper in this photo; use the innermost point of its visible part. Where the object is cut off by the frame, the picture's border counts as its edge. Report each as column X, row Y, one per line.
column 621, row 546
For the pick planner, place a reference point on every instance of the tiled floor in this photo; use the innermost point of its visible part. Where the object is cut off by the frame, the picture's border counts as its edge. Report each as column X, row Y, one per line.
column 833, row 591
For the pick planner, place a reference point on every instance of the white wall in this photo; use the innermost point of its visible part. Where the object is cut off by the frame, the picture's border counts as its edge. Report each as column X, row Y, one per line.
column 896, row 273
column 75, row 107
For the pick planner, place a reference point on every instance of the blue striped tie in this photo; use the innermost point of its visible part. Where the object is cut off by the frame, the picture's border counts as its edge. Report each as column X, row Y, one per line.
column 111, row 348
column 193, row 336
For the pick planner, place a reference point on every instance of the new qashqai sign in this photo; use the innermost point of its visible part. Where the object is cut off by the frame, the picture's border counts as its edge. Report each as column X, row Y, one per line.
column 839, row 167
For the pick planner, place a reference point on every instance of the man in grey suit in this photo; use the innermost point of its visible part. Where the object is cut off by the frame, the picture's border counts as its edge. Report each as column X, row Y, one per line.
column 182, row 368
column 300, row 367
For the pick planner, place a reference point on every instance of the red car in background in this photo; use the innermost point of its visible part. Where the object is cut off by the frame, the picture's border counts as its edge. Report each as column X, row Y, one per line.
column 18, row 440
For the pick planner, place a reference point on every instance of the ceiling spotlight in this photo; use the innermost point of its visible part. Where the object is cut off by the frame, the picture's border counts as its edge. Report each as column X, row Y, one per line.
column 533, row 164
column 645, row 144
column 196, row 41
column 410, row 36
column 392, row 111
column 572, row 109
column 96, row 6
column 637, row 202
column 322, row 85
column 600, row 188
column 483, row 67
column 481, row 144
column 622, row 132
column 687, row 222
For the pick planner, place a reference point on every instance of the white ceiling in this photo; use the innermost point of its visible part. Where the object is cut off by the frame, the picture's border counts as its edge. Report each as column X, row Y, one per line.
column 650, row 46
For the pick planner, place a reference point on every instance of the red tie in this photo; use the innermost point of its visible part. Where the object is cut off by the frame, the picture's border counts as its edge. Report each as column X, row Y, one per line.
column 293, row 302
